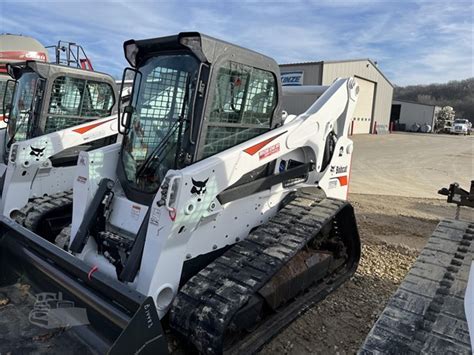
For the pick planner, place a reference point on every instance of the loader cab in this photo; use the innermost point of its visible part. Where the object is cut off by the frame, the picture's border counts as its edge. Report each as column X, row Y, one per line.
column 193, row 96
column 47, row 97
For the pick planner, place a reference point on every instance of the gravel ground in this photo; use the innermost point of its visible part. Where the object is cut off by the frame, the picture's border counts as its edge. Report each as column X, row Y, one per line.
column 393, row 230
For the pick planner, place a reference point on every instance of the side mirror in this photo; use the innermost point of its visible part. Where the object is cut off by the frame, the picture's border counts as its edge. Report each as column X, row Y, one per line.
column 131, row 79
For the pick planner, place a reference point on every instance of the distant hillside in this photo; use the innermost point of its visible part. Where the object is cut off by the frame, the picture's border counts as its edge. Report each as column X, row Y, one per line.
column 458, row 94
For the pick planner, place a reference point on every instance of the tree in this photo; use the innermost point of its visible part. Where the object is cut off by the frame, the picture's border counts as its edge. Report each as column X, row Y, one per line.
column 457, row 94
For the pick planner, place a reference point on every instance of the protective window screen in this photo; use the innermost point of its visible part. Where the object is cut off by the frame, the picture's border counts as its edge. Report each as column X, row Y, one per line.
column 230, row 93
column 98, row 100
column 163, row 95
column 221, row 138
column 3, row 85
column 4, row 92
column 242, row 106
column 75, row 101
column 22, row 106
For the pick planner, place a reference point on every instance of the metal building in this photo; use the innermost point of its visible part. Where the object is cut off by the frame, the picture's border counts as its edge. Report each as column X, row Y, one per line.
column 372, row 113
column 413, row 116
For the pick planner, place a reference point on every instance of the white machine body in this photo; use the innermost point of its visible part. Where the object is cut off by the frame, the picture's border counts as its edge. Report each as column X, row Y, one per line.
column 29, row 170
column 186, row 221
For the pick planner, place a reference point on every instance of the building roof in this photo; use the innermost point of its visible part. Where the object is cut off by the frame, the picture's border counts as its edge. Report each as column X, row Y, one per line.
column 414, row 102
column 341, row 61
column 300, row 63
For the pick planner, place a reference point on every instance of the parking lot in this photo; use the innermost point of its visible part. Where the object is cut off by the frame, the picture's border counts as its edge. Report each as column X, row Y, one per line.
column 410, row 164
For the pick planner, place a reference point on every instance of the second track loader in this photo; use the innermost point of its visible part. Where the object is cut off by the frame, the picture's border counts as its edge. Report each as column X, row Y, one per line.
column 216, row 221
column 55, row 112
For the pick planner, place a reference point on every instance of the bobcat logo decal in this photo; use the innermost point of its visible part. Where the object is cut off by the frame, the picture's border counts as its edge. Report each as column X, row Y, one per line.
column 37, row 152
column 199, row 187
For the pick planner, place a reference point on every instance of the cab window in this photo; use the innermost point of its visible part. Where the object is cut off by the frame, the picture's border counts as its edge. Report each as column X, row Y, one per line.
column 75, row 101
column 242, row 106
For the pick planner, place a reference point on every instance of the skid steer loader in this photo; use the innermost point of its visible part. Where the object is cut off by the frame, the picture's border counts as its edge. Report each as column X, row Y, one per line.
column 55, row 111
column 217, row 220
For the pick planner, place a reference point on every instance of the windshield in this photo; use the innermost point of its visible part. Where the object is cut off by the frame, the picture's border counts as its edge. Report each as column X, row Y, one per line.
column 163, row 90
column 21, row 106
column 460, row 121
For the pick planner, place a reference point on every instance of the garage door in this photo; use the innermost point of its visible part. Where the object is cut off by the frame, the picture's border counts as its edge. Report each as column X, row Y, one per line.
column 363, row 109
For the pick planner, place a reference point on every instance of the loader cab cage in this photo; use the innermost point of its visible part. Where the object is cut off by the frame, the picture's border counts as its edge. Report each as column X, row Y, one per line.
column 168, row 125
column 6, row 92
column 163, row 94
column 242, row 108
column 48, row 98
column 27, row 96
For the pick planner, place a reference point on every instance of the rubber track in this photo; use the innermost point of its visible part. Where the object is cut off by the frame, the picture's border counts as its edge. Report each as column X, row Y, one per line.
column 30, row 215
column 205, row 305
column 62, row 240
column 426, row 314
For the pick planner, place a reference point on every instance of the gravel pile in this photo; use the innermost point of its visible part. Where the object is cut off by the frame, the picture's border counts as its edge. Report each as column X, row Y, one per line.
column 340, row 323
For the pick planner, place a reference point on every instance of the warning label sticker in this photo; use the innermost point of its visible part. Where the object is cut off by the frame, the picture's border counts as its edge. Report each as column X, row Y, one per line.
column 264, row 153
column 155, row 216
column 135, row 212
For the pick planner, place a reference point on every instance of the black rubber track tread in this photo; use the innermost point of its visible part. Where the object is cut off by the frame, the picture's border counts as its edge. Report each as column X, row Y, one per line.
column 30, row 215
column 62, row 240
column 426, row 313
column 204, row 306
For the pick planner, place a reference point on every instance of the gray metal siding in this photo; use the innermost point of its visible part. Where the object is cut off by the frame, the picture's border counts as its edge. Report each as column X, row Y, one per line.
column 365, row 69
column 312, row 72
column 413, row 113
column 311, row 76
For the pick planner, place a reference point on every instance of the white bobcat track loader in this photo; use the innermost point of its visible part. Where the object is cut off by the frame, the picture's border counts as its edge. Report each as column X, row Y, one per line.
column 54, row 112
column 214, row 217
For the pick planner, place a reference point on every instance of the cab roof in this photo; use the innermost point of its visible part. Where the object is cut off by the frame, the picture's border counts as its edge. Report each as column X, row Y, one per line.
column 206, row 48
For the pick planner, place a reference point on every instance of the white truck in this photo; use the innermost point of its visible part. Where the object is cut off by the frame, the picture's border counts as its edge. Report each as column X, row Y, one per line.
column 461, row 126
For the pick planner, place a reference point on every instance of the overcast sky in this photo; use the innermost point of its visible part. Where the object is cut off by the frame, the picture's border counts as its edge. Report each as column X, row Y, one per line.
column 414, row 42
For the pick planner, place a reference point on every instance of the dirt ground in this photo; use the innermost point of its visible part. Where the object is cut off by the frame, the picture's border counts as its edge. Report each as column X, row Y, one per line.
column 393, row 187
column 393, row 230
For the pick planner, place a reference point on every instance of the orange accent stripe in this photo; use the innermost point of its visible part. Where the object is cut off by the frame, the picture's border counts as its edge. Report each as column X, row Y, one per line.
column 342, row 180
column 85, row 129
column 255, row 148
